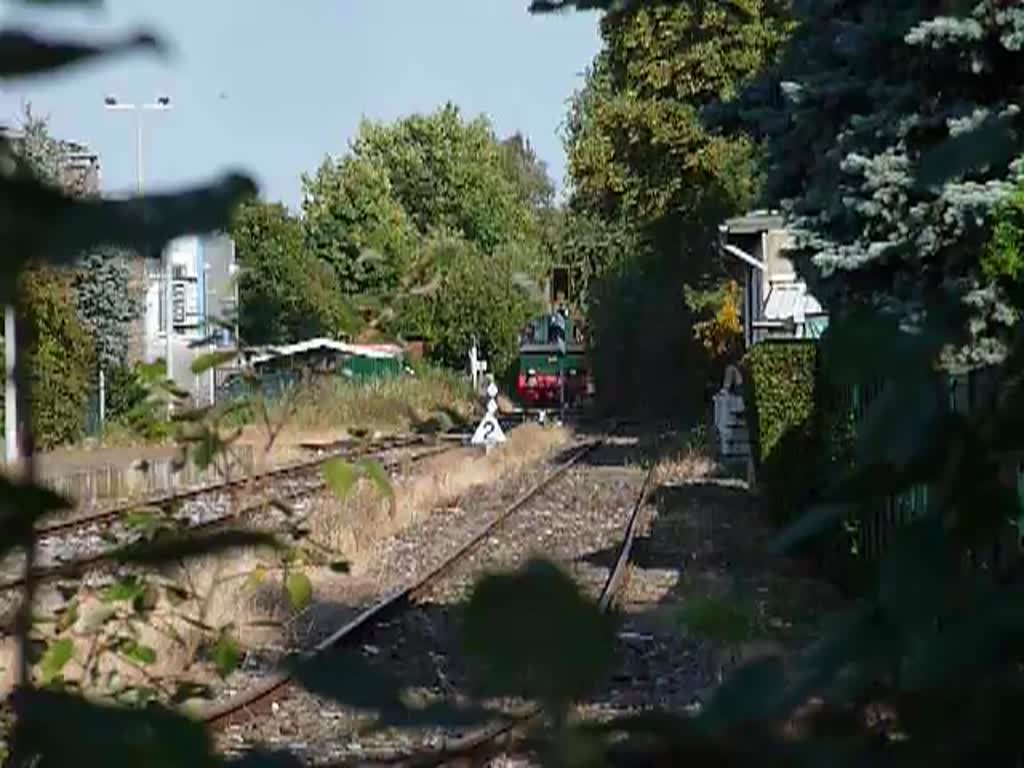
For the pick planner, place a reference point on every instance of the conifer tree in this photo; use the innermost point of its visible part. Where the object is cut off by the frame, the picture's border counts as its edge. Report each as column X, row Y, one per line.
column 892, row 133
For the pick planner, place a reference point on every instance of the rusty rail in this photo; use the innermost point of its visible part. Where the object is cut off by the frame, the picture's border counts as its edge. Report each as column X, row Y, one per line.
column 253, row 701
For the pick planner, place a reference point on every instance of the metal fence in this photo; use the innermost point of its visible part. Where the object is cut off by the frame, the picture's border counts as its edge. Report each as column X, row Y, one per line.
column 874, row 531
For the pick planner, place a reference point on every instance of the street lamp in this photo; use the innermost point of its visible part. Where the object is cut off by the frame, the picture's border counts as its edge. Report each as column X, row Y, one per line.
column 161, row 104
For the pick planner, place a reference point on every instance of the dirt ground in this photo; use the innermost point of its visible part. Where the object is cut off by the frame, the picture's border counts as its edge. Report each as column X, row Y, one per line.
column 710, row 534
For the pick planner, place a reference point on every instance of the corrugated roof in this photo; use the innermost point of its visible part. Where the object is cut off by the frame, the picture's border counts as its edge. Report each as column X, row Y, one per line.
column 790, row 300
column 361, row 350
column 753, row 222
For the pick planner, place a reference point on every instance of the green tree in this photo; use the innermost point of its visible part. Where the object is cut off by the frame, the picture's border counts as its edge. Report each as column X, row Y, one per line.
column 286, row 292
column 62, row 360
column 635, row 141
column 62, row 356
column 354, row 222
column 367, row 212
column 478, row 297
column 106, row 304
column 647, row 177
column 889, row 147
column 529, row 172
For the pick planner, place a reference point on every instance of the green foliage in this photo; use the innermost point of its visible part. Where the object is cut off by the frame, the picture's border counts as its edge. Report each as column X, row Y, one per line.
column 107, row 305
column 636, row 145
column 534, row 634
column 286, row 293
column 720, row 620
column 62, row 358
column 477, row 298
column 781, row 394
column 1003, row 258
column 643, row 164
column 135, row 401
column 891, row 139
column 367, row 212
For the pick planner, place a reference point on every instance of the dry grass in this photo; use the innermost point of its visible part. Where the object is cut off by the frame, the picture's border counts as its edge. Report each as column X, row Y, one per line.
column 688, row 463
column 335, row 409
column 352, row 527
column 383, row 405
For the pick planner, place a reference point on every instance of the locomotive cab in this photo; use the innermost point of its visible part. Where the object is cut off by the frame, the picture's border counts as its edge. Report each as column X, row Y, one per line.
column 551, row 349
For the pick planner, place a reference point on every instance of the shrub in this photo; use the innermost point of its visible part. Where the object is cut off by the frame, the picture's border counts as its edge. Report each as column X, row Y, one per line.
column 477, row 296
column 780, row 394
column 63, row 358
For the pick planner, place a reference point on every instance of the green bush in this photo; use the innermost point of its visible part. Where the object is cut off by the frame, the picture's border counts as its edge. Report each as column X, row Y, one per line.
column 781, row 397
column 63, row 359
column 477, row 296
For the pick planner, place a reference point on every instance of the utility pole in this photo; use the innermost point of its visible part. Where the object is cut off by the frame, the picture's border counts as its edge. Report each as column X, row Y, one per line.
column 10, row 389
column 162, row 104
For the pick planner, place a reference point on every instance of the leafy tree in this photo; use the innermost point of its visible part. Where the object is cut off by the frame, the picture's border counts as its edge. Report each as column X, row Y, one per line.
column 529, row 172
column 62, row 358
column 106, row 305
column 355, row 223
column 635, row 141
column 478, row 297
column 639, row 152
column 62, row 355
column 286, row 292
column 367, row 212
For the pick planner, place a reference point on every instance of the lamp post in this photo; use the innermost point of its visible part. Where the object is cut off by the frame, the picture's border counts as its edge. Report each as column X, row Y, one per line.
column 162, row 104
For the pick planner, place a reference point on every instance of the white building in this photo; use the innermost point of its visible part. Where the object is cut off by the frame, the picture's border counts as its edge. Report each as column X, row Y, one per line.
column 776, row 305
column 203, row 299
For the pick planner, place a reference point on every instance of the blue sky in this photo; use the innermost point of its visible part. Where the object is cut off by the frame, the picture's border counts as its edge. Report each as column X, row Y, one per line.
column 270, row 89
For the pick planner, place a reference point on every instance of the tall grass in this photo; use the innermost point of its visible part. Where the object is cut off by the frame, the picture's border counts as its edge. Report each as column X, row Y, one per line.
column 432, row 399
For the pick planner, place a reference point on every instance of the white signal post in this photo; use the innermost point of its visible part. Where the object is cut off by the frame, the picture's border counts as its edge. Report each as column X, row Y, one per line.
column 488, row 432
column 10, row 390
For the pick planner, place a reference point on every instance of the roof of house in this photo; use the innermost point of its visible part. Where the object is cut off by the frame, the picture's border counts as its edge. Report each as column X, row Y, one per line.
column 359, row 350
column 752, row 223
column 790, row 299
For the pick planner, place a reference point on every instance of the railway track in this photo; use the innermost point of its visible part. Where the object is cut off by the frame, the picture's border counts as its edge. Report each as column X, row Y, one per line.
column 340, row 449
column 263, row 698
column 49, row 536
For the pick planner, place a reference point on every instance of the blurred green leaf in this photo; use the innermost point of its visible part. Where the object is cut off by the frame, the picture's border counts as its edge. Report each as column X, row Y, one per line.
column 21, row 506
column 22, row 53
column 135, row 651
column 300, row 590
column 719, row 619
column 42, row 220
column 993, row 142
column 916, row 576
column 93, row 735
column 812, row 523
column 190, row 544
column 533, row 633
column 902, row 425
column 145, row 522
column 348, row 678
column 68, row 615
column 341, row 477
column 751, row 694
column 867, row 344
column 58, row 654
column 378, row 475
column 127, row 590
column 212, row 360
column 226, row 654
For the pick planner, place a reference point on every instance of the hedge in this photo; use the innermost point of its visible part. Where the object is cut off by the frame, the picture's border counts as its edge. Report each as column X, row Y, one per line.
column 63, row 359
column 781, row 395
